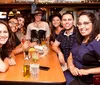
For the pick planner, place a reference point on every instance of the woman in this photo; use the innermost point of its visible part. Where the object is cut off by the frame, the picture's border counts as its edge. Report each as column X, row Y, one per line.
column 55, row 27
column 85, row 53
column 38, row 29
column 13, row 23
column 21, row 27
column 5, row 46
column 19, row 46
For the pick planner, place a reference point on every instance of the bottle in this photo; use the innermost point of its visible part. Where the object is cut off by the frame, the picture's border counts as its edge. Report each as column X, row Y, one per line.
column 26, row 67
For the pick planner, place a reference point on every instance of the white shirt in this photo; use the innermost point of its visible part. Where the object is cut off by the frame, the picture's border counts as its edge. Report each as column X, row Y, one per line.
column 41, row 26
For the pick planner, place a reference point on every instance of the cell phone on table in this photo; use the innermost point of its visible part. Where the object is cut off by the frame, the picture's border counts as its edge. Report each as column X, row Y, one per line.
column 44, row 68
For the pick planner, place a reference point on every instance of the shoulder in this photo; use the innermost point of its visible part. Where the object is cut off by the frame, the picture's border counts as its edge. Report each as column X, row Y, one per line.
column 62, row 31
column 95, row 46
column 95, row 43
column 29, row 25
column 61, row 35
column 44, row 22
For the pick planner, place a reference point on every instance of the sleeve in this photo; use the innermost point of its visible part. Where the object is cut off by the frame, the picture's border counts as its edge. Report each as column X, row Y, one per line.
column 17, row 40
column 60, row 36
column 4, row 54
column 52, row 38
column 96, row 46
column 28, row 32
column 48, row 32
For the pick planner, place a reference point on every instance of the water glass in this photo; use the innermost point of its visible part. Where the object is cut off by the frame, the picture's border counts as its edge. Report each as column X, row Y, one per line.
column 34, row 70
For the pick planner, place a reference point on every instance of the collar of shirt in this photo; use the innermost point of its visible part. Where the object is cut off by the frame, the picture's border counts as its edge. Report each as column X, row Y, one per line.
column 74, row 31
column 67, row 34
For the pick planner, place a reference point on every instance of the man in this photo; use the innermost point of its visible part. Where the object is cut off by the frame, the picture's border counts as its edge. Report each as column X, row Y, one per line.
column 66, row 38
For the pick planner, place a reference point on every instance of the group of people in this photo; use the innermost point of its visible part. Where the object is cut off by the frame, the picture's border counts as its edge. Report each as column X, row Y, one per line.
column 76, row 46
column 79, row 47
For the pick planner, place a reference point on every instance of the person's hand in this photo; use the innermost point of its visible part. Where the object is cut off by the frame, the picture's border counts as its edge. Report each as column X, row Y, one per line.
column 26, row 45
column 51, row 42
column 61, row 58
column 98, row 37
column 74, row 71
column 83, row 72
column 12, row 61
column 32, row 44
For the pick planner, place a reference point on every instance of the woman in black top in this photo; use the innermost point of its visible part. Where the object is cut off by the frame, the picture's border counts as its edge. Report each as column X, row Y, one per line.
column 6, row 44
column 55, row 26
column 18, row 47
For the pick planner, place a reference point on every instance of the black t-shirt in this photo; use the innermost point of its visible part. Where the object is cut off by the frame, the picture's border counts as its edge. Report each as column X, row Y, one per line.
column 66, row 42
column 17, row 41
column 3, row 53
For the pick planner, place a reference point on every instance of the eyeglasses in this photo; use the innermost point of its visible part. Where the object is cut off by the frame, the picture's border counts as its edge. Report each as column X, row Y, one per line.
column 84, row 23
column 13, row 23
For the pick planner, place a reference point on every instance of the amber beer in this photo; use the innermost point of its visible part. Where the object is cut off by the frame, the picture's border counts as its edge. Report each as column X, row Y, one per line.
column 43, row 42
column 26, row 70
column 26, row 66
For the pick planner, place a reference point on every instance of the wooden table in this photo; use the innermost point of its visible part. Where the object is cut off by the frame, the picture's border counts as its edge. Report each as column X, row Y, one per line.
column 54, row 76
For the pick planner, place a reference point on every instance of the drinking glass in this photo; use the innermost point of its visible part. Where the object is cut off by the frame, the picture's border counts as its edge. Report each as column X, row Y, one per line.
column 34, row 56
column 34, row 70
column 26, row 70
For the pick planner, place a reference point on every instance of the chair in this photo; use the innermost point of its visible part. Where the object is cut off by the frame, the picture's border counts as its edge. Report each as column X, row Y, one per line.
column 96, row 79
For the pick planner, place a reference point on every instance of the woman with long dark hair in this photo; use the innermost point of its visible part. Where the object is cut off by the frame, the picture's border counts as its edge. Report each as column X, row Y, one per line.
column 55, row 26
column 84, row 61
column 6, row 45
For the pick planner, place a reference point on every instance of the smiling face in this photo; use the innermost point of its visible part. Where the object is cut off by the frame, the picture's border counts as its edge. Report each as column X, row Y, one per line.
column 67, row 21
column 85, row 26
column 4, row 35
column 56, row 21
column 20, row 22
column 38, row 17
column 13, row 23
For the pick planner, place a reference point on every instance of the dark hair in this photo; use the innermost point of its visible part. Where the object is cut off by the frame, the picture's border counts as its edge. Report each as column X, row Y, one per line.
column 54, row 15
column 95, row 28
column 25, row 26
column 53, row 35
column 9, row 44
column 68, row 13
column 19, row 15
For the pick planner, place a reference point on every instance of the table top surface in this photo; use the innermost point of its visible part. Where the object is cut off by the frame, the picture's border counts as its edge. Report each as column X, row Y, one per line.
column 53, row 75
